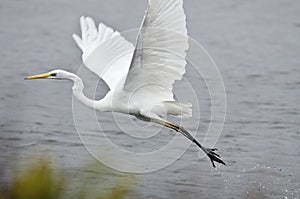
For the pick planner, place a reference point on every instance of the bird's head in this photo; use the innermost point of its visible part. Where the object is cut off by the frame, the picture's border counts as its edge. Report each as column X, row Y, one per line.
column 54, row 74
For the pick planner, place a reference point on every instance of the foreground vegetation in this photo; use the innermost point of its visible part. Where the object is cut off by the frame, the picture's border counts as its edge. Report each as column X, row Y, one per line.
column 40, row 180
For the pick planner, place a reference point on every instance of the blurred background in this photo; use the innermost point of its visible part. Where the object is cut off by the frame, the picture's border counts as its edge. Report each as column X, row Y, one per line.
column 256, row 46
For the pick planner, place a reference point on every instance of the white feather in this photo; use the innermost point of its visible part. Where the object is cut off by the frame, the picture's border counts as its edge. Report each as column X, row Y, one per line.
column 105, row 51
column 159, row 57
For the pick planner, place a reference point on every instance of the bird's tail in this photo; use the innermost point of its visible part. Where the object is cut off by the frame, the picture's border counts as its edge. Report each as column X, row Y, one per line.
column 178, row 109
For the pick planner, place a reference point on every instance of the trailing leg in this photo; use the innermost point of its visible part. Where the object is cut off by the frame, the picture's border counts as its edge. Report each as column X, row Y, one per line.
column 209, row 152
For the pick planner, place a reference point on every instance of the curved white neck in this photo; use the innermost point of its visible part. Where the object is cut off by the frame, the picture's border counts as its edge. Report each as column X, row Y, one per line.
column 78, row 87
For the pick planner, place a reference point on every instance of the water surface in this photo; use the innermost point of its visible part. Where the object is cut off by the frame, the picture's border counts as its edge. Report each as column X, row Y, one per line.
column 256, row 47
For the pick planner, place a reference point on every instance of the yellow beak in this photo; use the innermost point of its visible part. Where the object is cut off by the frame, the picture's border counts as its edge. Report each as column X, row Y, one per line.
column 40, row 76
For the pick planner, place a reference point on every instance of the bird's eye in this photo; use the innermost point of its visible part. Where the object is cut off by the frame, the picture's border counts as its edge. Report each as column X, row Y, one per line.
column 53, row 74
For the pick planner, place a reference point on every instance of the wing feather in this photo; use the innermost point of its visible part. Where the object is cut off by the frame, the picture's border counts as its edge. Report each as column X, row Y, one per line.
column 105, row 51
column 160, row 51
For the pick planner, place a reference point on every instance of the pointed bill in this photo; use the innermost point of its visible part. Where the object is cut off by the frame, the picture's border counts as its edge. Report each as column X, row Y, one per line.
column 40, row 76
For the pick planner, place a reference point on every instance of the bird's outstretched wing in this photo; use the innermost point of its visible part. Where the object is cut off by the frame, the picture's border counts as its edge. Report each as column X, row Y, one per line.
column 159, row 57
column 104, row 51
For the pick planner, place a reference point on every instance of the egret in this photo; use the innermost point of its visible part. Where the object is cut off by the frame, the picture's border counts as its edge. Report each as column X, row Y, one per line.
column 141, row 76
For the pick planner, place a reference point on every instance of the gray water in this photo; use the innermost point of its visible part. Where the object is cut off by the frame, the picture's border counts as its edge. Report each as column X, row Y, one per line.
column 256, row 46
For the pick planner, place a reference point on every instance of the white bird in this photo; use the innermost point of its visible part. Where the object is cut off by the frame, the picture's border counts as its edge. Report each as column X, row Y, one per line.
column 140, row 77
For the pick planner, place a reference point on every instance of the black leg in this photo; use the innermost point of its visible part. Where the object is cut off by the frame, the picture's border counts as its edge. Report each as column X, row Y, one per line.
column 209, row 152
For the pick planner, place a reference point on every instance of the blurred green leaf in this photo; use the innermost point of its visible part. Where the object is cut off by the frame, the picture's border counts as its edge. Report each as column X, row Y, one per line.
column 38, row 180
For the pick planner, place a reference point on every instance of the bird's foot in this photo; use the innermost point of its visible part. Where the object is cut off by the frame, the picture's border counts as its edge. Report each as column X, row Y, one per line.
column 213, row 156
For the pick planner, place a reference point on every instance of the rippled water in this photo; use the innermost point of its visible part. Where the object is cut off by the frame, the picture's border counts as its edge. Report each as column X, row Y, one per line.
column 256, row 46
